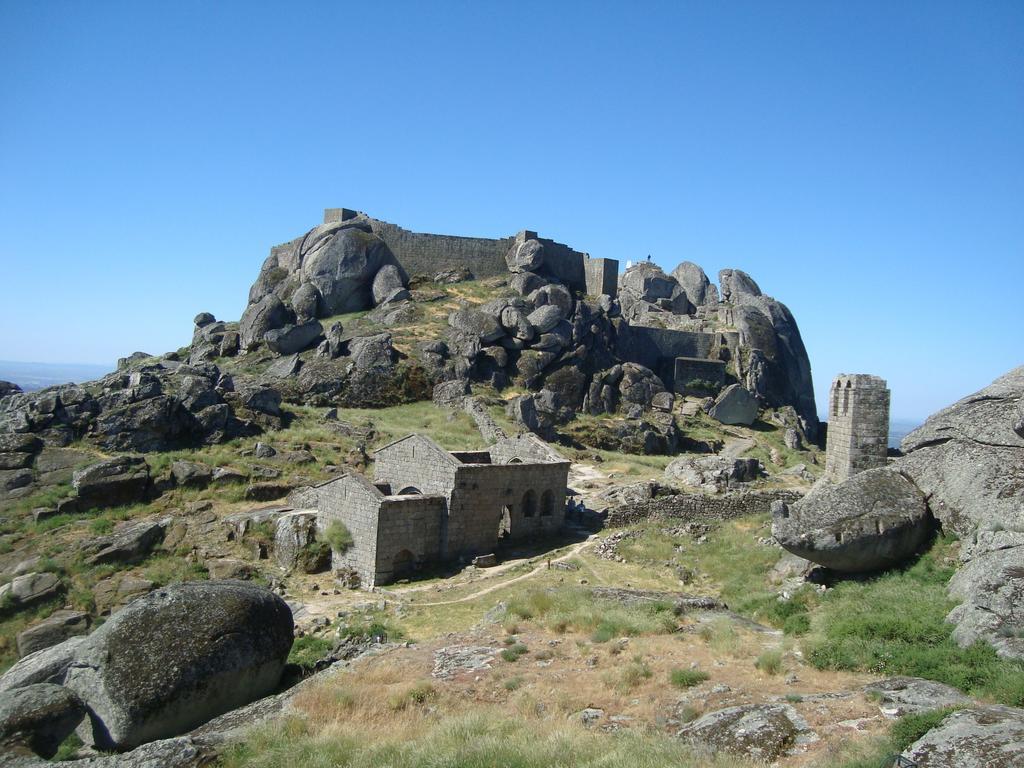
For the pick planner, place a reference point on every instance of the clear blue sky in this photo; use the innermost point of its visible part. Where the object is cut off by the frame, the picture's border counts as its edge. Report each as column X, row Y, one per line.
column 863, row 161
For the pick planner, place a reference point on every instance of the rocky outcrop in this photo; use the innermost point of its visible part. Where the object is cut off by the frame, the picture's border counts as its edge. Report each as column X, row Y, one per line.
column 54, row 629
column 713, row 473
column 38, row 717
column 172, row 660
column 874, row 520
column 296, row 546
column 112, row 482
column 899, row 696
column 29, row 589
column 978, row 737
column 49, row 665
column 763, row 732
column 969, row 461
column 734, row 405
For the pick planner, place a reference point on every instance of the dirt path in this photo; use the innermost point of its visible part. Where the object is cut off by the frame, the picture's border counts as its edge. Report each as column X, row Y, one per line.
column 737, row 445
column 502, row 584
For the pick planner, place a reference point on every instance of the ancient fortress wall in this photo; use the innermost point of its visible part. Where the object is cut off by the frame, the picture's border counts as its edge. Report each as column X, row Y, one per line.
column 858, row 425
column 408, row 530
column 348, row 501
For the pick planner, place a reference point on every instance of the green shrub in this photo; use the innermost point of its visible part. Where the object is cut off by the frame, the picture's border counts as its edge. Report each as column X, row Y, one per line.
column 769, row 662
column 687, row 678
column 101, row 526
column 513, row 683
column 338, row 536
column 514, row 652
column 909, row 728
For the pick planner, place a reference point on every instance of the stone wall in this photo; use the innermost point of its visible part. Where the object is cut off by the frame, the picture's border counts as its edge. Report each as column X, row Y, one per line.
column 355, row 502
column 484, row 492
column 689, row 369
column 699, row 507
column 858, row 425
column 602, row 276
column 658, row 348
column 415, row 462
column 408, row 535
column 427, row 254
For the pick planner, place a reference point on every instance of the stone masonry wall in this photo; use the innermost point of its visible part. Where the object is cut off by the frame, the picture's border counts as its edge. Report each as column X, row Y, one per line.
column 415, row 462
column 689, row 369
column 699, row 507
column 427, row 254
column 858, row 425
column 410, row 525
column 602, row 276
column 482, row 491
column 354, row 502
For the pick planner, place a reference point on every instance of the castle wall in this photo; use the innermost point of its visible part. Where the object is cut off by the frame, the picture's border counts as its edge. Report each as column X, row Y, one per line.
column 602, row 276
column 858, row 425
column 658, row 348
column 427, row 254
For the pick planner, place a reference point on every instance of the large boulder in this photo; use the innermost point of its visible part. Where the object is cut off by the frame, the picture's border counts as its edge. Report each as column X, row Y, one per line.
column 979, row 737
column 693, row 280
column 294, row 338
column 38, row 717
column 763, row 732
column 476, row 324
column 54, row 629
column 874, row 520
column 736, row 283
column 342, row 265
column 969, row 461
column 525, row 256
column 296, row 546
column 265, row 315
column 130, row 543
column 178, row 657
column 50, row 665
column 734, row 405
column 112, row 482
column 388, row 284
column 30, row 588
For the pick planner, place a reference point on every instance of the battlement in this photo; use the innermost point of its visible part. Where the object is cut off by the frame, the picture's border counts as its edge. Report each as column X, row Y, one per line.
column 858, row 425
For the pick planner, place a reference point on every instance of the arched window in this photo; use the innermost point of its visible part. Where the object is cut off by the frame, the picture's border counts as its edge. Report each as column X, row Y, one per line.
column 410, row 490
column 530, row 503
column 547, row 504
column 515, row 460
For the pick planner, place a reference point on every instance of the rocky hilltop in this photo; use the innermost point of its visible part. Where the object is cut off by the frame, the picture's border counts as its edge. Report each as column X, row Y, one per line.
column 344, row 315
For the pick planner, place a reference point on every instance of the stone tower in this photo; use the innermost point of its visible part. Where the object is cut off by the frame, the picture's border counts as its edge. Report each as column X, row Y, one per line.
column 858, row 425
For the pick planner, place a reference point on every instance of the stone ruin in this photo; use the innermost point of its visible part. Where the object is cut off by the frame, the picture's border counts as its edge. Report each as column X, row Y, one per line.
column 428, row 506
column 858, row 425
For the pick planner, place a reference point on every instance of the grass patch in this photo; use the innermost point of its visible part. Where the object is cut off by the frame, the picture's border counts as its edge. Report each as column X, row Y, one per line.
column 687, row 678
column 894, row 624
column 769, row 662
column 629, row 676
column 309, row 649
column 171, row 569
column 565, row 608
column 875, row 752
column 475, row 740
column 514, row 652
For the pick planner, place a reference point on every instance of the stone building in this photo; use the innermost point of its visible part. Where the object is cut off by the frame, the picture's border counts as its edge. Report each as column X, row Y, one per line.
column 428, row 505
column 858, row 425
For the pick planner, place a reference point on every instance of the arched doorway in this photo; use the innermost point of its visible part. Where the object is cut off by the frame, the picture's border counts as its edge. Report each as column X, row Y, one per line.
column 404, row 564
